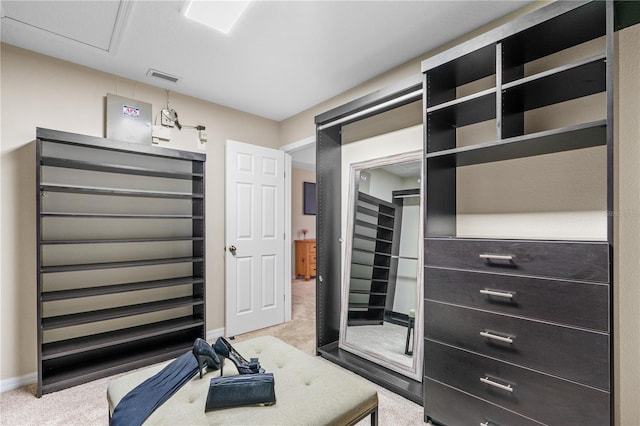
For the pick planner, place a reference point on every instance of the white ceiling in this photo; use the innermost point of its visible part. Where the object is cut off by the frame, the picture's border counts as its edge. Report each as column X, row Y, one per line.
column 281, row 58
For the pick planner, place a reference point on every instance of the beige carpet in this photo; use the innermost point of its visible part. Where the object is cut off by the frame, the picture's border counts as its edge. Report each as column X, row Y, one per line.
column 87, row 405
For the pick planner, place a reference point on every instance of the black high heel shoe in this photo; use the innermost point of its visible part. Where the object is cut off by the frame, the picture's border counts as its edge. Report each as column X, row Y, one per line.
column 225, row 350
column 205, row 353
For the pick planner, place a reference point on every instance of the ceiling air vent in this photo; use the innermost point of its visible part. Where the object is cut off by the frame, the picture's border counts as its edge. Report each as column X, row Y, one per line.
column 163, row 75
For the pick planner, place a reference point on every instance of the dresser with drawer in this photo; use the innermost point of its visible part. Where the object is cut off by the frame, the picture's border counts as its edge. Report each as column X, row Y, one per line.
column 517, row 330
column 306, row 258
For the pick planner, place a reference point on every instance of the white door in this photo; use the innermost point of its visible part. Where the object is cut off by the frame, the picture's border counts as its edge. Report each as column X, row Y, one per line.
column 255, row 237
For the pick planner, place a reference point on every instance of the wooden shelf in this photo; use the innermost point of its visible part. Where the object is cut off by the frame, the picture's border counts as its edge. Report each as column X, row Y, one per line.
column 464, row 100
column 117, row 362
column 372, row 225
column 369, row 265
column 372, row 213
column 92, row 342
column 373, row 293
column 50, row 296
column 365, row 306
column 557, row 140
column 123, row 264
column 465, row 111
column 558, row 85
column 367, row 238
column 120, row 240
column 377, row 253
column 115, row 168
column 550, row 36
column 61, row 321
column 92, row 190
column 120, row 215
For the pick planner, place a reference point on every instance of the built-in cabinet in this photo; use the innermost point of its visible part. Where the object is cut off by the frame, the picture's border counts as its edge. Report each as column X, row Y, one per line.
column 518, row 329
column 329, row 231
column 120, row 256
column 517, row 294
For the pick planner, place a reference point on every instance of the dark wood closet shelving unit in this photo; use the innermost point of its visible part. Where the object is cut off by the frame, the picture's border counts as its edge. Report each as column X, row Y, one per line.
column 139, row 322
column 328, row 224
column 516, row 331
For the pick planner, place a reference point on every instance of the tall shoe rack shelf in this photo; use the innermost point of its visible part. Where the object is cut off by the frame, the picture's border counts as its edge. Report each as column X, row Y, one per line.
column 120, row 256
column 517, row 331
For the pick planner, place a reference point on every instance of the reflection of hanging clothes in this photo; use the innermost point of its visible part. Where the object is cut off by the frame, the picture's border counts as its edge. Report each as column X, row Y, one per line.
column 137, row 405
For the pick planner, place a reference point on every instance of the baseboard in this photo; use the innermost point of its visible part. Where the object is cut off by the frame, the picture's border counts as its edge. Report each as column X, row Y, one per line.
column 214, row 334
column 17, row 382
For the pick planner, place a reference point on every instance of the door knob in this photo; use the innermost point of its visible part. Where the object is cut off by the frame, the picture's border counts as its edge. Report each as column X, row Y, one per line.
column 232, row 249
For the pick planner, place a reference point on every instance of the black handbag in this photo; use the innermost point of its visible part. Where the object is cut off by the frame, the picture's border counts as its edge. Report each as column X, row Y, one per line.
column 241, row 390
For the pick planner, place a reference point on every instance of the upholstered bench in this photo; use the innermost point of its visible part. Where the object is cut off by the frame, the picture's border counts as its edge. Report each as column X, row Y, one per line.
column 309, row 391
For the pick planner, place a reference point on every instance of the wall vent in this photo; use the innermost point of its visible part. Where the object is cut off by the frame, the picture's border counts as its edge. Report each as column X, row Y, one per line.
column 163, row 75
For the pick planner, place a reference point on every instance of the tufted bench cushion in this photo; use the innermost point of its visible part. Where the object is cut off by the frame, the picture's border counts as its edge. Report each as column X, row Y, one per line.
column 308, row 391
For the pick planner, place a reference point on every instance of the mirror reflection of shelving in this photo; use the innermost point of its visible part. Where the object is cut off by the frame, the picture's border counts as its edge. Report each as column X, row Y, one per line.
column 371, row 266
column 384, row 260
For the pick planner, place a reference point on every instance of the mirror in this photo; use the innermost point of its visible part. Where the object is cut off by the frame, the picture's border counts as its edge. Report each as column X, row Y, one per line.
column 381, row 317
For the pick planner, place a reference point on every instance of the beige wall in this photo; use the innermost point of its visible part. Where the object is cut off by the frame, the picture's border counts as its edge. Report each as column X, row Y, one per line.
column 627, row 227
column 38, row 91
column 299, row 220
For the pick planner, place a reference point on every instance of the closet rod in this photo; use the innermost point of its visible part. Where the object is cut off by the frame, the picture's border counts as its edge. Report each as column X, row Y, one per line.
column 414, row 94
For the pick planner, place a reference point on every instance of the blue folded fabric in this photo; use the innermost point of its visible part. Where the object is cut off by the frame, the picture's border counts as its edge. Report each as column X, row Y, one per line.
column 141, row 401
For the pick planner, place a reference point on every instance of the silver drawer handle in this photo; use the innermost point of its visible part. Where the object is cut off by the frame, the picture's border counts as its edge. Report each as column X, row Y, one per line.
column 507, row 294
column 487, row 381
column 496, row 256
column 497, row 337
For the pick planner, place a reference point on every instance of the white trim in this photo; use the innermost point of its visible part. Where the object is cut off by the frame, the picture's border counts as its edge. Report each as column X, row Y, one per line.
column 17, row 382
column 298, row 145
column 304, row 166
column 287, row 237
column 214, row 334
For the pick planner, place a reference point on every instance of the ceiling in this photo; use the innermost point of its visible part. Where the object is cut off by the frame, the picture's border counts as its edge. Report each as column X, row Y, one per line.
column 281, row 58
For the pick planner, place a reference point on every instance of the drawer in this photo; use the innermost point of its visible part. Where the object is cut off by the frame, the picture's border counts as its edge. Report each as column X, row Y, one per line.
column 571, row 353
column 538, row 396
column 566, row 302
column 567, row 260
column 312, row 248
column 451, row 407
